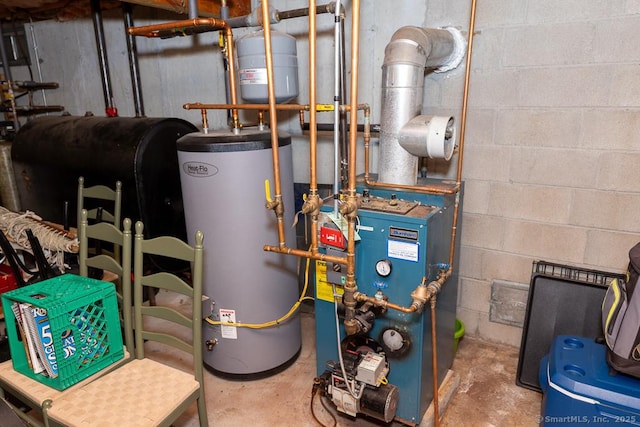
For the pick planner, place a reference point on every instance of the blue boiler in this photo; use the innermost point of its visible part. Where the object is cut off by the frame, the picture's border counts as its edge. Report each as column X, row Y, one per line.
column 403, row 237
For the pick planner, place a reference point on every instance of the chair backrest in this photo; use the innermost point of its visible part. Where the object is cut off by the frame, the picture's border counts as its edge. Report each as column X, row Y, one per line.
column 104, row 193
column 171, row 247
column 109, row 233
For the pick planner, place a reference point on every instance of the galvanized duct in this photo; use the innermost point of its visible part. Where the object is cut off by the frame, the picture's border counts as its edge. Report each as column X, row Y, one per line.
column 410, row 51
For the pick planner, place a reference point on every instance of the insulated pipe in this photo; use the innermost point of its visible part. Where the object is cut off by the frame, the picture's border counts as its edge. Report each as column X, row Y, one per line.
column 101, row 45
column 410, row 50
column 132, row 50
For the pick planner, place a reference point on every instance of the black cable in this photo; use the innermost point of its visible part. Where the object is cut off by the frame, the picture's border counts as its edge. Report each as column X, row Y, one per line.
column 316, row 390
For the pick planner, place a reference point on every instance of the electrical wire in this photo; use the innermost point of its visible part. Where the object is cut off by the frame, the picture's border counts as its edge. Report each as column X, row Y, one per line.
column 271, row 323
column 316, row 391
column 338, row 341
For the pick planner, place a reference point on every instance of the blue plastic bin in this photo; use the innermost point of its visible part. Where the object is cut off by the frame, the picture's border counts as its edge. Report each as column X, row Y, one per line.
column 580, row 388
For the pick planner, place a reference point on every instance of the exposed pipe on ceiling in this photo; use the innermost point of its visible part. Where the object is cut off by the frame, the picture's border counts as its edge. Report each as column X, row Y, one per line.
column 96, row 12
column 7, row 75
column 192, row 9
column 132, row 50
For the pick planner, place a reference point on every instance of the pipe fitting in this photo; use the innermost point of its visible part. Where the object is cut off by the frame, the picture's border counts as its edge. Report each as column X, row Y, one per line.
column 312, row 205
column 276, row 205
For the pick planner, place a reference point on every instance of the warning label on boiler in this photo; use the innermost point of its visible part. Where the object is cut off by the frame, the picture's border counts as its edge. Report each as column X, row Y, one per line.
column 229, row 316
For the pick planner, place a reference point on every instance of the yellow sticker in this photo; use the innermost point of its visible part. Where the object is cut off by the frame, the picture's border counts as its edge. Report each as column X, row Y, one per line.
column 324, row 289
column 324, row 107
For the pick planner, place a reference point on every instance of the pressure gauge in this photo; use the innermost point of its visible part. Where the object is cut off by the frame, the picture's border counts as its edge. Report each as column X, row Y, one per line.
column 383, row 267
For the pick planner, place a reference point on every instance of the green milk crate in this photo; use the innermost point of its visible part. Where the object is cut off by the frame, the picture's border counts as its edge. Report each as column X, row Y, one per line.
column 83, row 334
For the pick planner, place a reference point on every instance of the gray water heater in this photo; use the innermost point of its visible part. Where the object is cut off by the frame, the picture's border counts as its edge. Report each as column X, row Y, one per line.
column 252, row 67
column 223, row 188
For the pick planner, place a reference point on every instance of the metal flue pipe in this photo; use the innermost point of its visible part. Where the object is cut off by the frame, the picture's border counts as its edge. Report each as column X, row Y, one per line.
column 410, row 51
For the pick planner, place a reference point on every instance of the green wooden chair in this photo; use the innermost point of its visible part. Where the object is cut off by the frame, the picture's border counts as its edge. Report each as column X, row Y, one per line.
column 115, row 270
column 31, row 394
column 106, row 206
column 146, row 392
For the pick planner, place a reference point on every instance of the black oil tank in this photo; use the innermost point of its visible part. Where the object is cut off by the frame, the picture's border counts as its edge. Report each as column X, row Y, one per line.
column 50, row 153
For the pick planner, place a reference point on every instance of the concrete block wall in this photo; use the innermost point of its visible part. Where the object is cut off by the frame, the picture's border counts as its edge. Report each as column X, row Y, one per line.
column 552, row 149
column 552, row 138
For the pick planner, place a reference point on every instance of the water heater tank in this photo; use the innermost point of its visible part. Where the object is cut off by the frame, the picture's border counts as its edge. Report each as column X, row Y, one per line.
column 222, row 177
column 253, row 71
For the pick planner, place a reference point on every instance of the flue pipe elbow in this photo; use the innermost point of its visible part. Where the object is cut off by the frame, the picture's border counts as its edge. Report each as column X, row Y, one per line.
column 410, row 51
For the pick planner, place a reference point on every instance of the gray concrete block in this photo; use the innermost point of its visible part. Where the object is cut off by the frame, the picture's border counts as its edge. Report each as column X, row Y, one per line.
column 498, row 332
column 552, row 44
column 494, row 89
column 490, row 163
column 474, row 295
column 482, row 231
column 572, row 10
column 539, row 128
column 610, row 129
column 625, row 89
column 507, row 266
column 609, row 250
column 617, row 40
column 545, row 241
column 556, row 167
column 606, row 210
column 618, row 171
column 574, row 86
column 476, row 196
column 530, row 202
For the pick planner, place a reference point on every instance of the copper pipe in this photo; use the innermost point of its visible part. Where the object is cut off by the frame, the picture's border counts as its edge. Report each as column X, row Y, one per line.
column 285, row 107
column 199, row 25
column 465, row 96
column 305, row 254
column 313, row 184
column 205, row 121
column 313, row 203
column 229, row 50
column 277, row 204
column 179, row 28
column 434, row 363
column 349, row 207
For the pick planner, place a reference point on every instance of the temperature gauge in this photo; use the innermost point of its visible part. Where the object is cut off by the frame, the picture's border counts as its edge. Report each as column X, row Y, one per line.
column 383, row 267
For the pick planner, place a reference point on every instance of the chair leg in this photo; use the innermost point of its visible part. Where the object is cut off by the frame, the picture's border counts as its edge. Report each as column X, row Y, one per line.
column 202, row 411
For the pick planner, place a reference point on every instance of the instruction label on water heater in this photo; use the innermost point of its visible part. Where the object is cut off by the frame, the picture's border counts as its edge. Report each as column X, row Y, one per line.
column 230, row 332
column 403, row 250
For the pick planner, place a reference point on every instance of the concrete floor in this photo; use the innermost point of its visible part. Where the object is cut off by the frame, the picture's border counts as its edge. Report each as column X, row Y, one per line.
column 486, row 395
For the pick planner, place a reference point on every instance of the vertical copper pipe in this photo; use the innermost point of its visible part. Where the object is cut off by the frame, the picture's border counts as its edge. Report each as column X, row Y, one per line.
column 313, row 131
column 228, row 33
column 434, row 362
column 350, row 205
column 465, row 96
column 273, row 123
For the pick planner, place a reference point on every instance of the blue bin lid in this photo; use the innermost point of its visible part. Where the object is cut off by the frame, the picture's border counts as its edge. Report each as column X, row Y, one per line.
column 578, row 368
